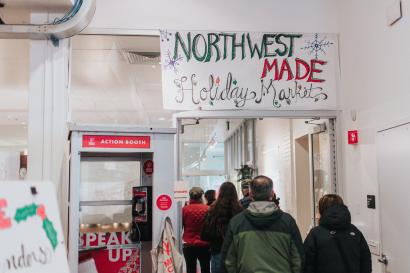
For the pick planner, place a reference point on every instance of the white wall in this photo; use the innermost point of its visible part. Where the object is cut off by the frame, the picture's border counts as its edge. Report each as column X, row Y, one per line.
column 375, row 81
column 261, row 15
column 274, row 157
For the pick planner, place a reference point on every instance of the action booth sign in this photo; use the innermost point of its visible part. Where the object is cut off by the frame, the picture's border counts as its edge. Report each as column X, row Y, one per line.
column 249, row 70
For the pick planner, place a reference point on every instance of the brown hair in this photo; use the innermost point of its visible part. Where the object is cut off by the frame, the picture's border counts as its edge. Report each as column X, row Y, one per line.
column 329, row 200
column 224, row 208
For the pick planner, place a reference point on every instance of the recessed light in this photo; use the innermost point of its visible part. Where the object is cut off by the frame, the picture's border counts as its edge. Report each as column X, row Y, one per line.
column 161, row 119
column 23, row 123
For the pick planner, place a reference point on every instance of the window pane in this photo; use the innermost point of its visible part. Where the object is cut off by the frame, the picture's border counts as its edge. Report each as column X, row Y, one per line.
column 203, row 157
column 117, row 80
column 105, row 214
column 108, row 180
column 205, row 182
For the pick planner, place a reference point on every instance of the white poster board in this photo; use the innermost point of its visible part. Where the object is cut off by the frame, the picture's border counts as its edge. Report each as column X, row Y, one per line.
column 181, row 191
column 249, row 70
column 31, row 238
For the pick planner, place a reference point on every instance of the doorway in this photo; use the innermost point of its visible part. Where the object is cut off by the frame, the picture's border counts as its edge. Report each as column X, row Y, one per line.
column 297, row 153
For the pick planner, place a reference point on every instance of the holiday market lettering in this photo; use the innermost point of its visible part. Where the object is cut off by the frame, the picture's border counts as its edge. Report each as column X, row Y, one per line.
column 231, row 91
column 245, row 70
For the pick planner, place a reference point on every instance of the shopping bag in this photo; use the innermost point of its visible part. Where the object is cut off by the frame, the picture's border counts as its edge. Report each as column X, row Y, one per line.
column 165, row 257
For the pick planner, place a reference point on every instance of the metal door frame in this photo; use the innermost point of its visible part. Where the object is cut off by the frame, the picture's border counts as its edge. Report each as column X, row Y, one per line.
column 76, row 150
column 336, row 145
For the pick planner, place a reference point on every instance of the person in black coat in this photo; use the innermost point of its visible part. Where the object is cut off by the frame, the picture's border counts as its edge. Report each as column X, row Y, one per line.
column 336, row 246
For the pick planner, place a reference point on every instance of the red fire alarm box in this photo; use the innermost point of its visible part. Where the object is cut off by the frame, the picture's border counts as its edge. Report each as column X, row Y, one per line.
column 352, row 137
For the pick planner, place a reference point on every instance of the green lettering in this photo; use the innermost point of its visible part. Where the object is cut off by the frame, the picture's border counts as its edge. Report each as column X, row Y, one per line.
column 225, row 35
column 254, row 47
column 185, row 49
column 291, row 44
column 280, row 42
column 235, row 45
column 198, row 57
column 214, row 44
column 266, row 43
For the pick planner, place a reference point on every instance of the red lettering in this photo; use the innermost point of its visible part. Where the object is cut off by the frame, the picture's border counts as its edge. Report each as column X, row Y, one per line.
column 268, row 67
column 313, row 70
column 285, row 67
column 300, row 62
column 5, row 223
column 168, row 263
column 167, row 248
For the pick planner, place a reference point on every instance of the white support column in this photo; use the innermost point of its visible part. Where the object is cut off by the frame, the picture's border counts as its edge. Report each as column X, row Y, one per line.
column 48, row 109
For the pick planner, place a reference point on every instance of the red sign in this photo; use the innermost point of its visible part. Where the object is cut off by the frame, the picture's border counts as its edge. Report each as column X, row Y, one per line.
column 113, row 252
column 148, row 167
column 99, row 141
column 164, row 202
column 352, row 137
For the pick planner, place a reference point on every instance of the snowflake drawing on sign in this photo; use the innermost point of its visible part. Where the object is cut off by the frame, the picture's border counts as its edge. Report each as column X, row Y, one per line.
column 317, row 46
column 164, row 34
column 172, row 62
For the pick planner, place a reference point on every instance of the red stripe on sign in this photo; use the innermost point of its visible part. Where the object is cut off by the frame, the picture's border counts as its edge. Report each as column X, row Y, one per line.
column 99, row 141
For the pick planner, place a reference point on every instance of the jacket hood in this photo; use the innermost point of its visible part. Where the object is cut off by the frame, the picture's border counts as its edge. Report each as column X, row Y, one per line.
column 336, row 218
column 262, row 213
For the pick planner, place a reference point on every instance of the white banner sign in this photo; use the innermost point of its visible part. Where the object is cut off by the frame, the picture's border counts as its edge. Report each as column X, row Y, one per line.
column 249, row 70
column 181, row 191
column 31, row 237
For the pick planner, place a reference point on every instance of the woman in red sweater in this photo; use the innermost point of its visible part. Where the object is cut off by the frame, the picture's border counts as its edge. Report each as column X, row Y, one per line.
column 193, row 219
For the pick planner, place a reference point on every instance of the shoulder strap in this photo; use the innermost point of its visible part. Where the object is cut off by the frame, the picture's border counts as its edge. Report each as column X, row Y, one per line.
column 342, row 253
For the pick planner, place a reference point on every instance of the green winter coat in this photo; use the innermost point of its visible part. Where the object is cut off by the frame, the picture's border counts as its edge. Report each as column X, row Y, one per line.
column 263, row 239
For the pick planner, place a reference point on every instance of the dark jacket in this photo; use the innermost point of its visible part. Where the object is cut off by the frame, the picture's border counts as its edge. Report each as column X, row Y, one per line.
column 323, row 242
column 263, row 239
column 245, row 202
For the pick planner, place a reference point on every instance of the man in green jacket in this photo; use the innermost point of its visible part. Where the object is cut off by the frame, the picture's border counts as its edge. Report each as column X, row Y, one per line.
column 262, row 238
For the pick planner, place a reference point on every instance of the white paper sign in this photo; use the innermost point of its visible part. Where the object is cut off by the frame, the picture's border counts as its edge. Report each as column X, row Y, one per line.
column 31, row 238
column 249, row 70
column 181, row 191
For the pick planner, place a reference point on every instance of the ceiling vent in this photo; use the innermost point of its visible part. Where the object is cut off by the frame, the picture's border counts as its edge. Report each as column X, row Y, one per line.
column 135, row 57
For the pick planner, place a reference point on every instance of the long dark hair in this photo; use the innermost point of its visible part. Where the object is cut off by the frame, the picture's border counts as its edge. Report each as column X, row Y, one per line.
column 224, row 208
column 210, row 197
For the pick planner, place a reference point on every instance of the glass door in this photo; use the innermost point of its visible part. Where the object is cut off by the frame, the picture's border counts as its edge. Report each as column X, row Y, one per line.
column 106, row 191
